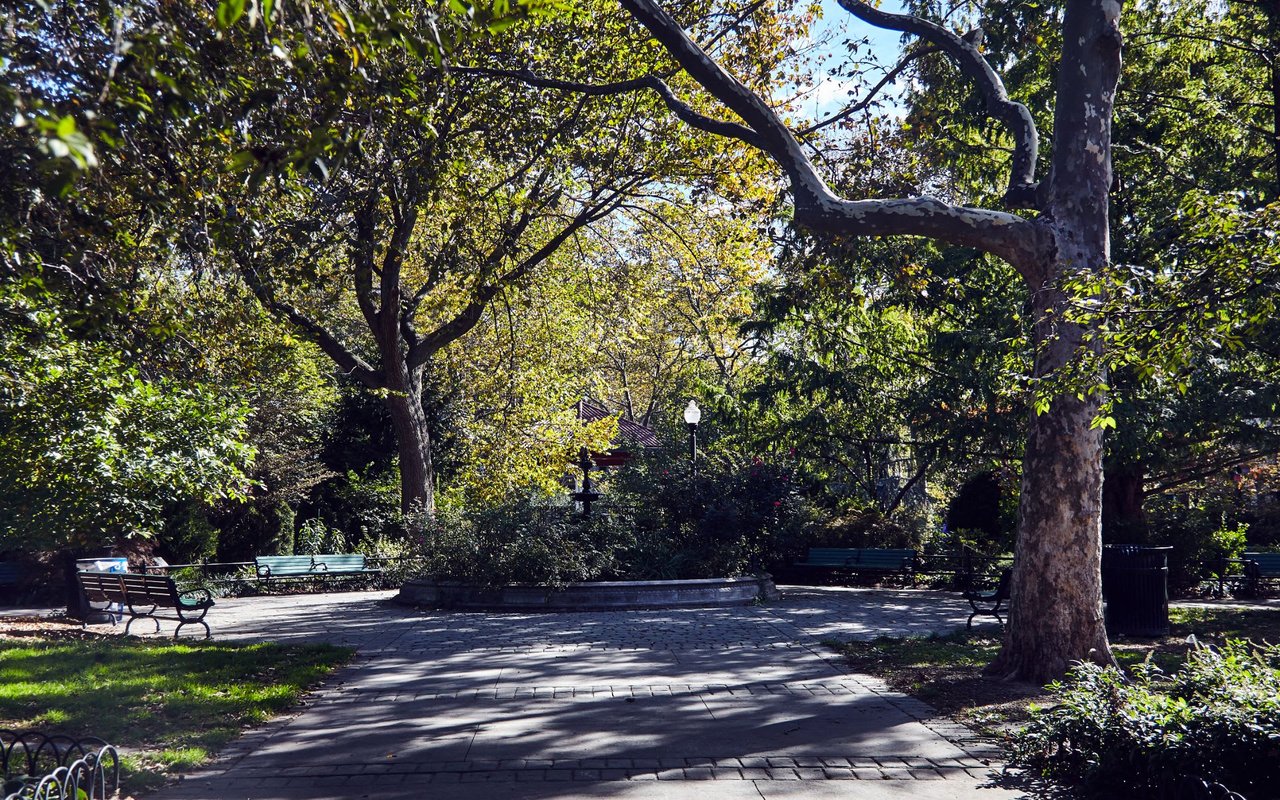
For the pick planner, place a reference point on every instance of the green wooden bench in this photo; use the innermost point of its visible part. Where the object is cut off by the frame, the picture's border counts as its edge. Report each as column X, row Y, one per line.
column 329, row 565
column 144, row 595
column 1259, row 568
column 990, row 604
column 860, row 559
column 10, row 575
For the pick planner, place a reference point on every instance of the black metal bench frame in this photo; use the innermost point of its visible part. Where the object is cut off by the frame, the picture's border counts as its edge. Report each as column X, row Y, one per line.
column 990, row 604
column 143, row 595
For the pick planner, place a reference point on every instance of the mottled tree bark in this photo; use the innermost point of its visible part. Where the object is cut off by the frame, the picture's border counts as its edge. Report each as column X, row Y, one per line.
column 1057, row 586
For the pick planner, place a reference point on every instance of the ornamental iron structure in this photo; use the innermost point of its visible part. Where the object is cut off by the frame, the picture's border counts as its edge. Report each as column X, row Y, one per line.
column 40, row 766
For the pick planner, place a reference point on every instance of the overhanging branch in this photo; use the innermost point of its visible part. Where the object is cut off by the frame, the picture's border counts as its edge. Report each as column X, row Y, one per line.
column 888, row 78
column 1016, row 240
column 683, row 111
column 346, row 360
column 963, row 50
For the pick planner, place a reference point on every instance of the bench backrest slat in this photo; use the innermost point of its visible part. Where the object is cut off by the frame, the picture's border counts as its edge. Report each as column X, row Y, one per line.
column 284, row 565
column 308, row 565
column 867, row 557
column 341, row 562
column 129, row 587
column 10, row 572
column 1268, row 563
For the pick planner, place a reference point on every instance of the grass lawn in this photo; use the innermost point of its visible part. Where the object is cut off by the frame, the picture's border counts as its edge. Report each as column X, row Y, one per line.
column 946, row 671
column 168, row 705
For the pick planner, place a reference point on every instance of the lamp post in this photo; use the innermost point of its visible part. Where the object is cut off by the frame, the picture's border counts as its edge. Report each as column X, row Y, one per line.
column 587, row 496
column 692, row 415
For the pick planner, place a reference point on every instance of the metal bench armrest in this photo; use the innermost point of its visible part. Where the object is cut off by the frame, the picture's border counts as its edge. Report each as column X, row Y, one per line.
column 205, row 597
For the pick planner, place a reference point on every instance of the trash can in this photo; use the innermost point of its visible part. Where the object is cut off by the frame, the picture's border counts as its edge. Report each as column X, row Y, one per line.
column 108, row 564
column 1135, row 588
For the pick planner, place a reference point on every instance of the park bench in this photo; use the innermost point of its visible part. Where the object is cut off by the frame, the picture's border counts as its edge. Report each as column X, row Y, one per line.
column 330, row 565
column 10, row 576
column 1259, row 568
column 142, row 595
column 860, row 559
column 990, row 604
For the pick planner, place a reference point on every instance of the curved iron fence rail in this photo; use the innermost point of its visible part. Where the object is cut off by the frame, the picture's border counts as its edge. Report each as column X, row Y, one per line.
column 39, row 766
column 1190, row 787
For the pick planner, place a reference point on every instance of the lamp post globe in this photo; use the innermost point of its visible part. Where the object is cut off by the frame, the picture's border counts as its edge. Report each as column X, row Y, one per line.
column 692, row 416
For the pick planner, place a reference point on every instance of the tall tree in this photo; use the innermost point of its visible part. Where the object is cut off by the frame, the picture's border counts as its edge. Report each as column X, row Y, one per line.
column 1187, row 299
column 461, row 189
column 1056, row 584
column 136, row 133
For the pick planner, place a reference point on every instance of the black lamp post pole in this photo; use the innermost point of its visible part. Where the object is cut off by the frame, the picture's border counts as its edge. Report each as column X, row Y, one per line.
column 693, row 447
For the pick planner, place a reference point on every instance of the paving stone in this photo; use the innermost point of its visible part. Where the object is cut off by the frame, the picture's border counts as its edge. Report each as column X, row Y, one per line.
column 591, row 699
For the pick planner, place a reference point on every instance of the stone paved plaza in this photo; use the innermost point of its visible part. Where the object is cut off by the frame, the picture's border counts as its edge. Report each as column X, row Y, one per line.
column 697, row 703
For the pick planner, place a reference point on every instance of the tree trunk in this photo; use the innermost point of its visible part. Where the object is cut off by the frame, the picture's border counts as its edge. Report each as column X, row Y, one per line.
column 1056, row 615
column 1057, row 586
column 1122, row 519
column 413, row 442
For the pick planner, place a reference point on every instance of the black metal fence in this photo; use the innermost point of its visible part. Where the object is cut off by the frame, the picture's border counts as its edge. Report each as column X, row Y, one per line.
column 39, row 766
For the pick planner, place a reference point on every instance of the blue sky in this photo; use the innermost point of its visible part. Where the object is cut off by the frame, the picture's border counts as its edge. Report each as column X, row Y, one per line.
column 841, row 25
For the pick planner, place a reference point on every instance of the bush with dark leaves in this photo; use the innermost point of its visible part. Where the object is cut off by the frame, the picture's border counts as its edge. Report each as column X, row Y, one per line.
column 1215, row 721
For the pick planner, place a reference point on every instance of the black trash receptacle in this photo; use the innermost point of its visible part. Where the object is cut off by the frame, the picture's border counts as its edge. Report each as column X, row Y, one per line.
column 1135, row 586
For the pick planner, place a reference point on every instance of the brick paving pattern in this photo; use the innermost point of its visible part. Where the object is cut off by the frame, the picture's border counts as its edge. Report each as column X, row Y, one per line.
column 693, row 703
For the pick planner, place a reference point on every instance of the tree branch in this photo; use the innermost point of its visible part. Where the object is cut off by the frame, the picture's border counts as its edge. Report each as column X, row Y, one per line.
column 888, row 78
column 1008, row 236
column 1022, row 191
column 468, row 317
column 683, row 111
column 346, row 360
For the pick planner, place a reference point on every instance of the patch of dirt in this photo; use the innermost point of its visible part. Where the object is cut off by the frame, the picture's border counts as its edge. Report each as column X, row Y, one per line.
column 992, row 707
column 57, row 628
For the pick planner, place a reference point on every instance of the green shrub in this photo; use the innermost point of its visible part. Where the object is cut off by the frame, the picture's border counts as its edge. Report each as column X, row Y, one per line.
column 655, row 521
column 522, row 542
column 315, row 537
column 1202, row 529
column 737, row 515
column 188, row 537
column 1217, row 720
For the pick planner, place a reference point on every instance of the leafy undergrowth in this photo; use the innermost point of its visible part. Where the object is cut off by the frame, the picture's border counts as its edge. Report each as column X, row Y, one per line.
column 168, row 705
column 1210, row 723
column 946, row 671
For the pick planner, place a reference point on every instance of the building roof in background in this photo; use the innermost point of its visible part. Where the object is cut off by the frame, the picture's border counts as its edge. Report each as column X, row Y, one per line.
column 628, row 429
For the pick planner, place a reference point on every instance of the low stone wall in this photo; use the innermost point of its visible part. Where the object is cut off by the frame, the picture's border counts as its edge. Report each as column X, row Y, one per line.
column 599, row 596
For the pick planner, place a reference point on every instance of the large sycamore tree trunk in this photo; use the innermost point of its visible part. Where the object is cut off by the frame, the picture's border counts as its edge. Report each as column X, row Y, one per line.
column 1057, row 598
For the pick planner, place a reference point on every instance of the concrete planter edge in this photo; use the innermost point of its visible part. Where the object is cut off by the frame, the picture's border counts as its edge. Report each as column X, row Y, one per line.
column 592, row 596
